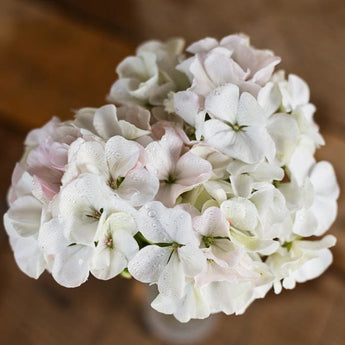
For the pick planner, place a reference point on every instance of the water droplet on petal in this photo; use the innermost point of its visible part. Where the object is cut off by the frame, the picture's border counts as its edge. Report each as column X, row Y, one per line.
column 152, row 213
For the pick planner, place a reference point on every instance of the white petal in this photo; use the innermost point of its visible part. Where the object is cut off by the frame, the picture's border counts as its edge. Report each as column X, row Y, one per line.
column 305, row 223
column 71, row 266
column 192, row 170
column 90, row 158
column 131, row 132
column 302, row 160
column 136, row 115
column 160, row 224
column 149, row 263
column 219, row 135
column 211, row 223
column 187, row 105
column 114, row 222
column 124, row 242
column 121, row 155
column 171, row 281
column 229, row 297
column 108, row 263
column 284, row 131
column 326, row 189
column 162, row 156
column 139, row 187
column 222, row 103
column 193, row 260
column 314, row 267
column 269, row 98
column 168, row 193
column 78, row 201
column 250, row 146
column 241, row 212
column 105, row 121
column 194, row 305
column 249, row 111
column 51, row 238
column 299, row 91
column 254, row 244
column 25, row 215
column 242, row 185
column 324, row 181
column 221, row 69
column 325, row 211
column 203, row 45
column 27, row 253
column 120, row 92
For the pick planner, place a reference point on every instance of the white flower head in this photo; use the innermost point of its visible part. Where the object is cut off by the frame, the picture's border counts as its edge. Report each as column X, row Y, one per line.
column 178, row 171
column 237, row 125
column 174, row 253
column 148, row 77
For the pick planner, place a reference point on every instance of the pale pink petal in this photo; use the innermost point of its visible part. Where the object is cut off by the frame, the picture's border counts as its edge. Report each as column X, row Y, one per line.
column 192, row 170
column 222, row 69
column 162, row 156
column 211, row 223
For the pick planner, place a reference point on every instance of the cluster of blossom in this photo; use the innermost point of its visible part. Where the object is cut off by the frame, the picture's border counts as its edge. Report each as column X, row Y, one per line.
column 199, row 176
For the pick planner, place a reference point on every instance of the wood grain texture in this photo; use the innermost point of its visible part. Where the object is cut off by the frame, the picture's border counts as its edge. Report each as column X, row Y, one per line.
column 60, row 55
column 51, row 65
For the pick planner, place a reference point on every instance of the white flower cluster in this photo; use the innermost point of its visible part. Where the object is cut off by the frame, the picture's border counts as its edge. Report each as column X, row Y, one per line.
column 201, row 180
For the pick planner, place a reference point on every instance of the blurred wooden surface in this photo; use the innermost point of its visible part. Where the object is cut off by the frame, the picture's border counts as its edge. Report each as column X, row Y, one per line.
column 59, row 55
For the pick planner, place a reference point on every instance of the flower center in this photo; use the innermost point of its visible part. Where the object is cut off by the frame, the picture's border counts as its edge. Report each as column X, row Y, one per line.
column 208, row 241
column 171, row 179
column 115, row 184
column 236, row 127
column 108, row 241
column 96, row 214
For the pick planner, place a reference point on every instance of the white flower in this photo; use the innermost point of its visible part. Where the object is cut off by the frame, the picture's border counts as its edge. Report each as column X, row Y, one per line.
column 69, row 262
column 217, row 185
column 23, row 222
column 120, row 164
column 284, row 131
column 232, row 60
column 177, row 171
column 174, row 253
column 237, row 125
column 131, row 122
column 91, row 230
column 244, row 218
column 201, row 180
column 245, row 178
column 295, row 92
column 299, row 261
column 318, row 197
column 27, row 252
column 82, row 203
column 149, row 76
column 115, row 245
column 225, row 260
column 229, row 297
column 274, row 217
column 193, row 304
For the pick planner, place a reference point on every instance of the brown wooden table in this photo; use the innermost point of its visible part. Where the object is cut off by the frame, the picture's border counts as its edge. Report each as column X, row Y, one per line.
column 60, row 55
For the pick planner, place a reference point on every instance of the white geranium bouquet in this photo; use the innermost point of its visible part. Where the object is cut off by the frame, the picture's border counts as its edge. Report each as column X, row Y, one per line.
column 199, row 176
